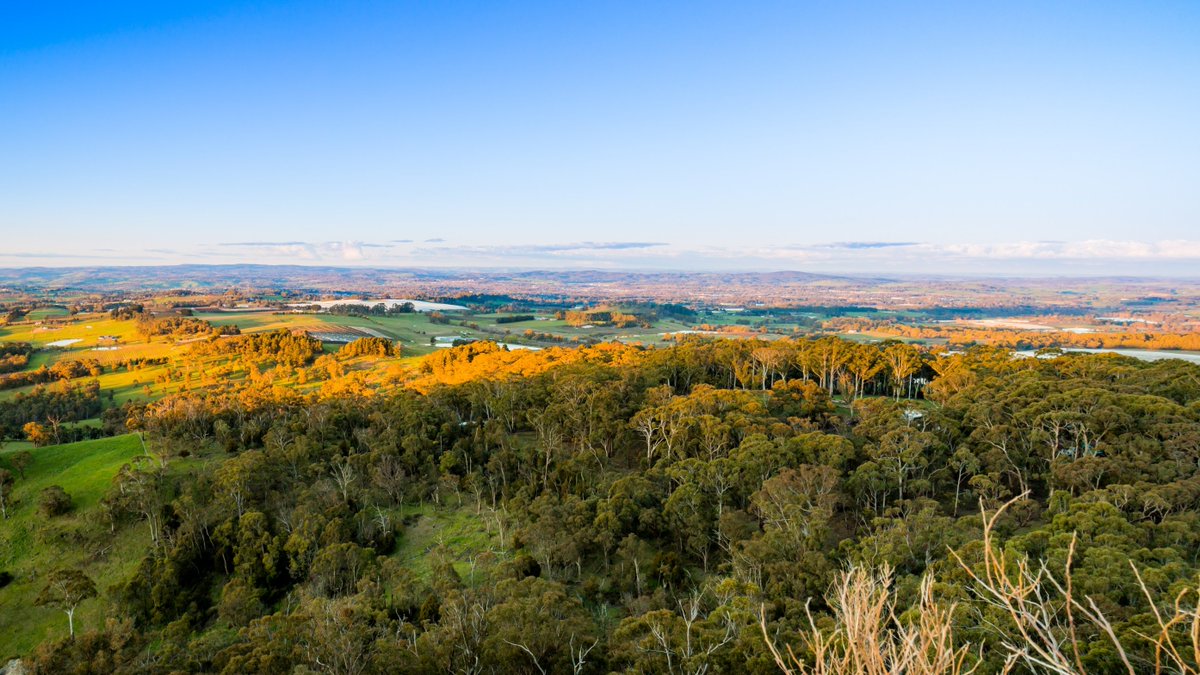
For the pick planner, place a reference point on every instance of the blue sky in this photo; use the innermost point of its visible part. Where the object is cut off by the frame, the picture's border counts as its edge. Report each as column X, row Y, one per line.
column 1013, row 137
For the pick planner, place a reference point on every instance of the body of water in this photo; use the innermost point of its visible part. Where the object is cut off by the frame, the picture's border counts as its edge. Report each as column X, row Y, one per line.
column 1143, row 354
column 418, row 305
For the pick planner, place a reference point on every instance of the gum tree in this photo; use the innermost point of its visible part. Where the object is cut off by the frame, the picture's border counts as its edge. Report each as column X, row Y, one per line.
column 65, row 589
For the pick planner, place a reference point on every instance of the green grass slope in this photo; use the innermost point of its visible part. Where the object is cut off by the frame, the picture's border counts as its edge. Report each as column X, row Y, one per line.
column 460, row 529
column 31, row 545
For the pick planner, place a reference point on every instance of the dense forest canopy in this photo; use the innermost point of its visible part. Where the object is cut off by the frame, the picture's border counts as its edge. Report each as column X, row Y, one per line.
column 690, row 509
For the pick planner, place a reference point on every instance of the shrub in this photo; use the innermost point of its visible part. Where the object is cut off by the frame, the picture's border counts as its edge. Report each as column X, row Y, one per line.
column 54, row 502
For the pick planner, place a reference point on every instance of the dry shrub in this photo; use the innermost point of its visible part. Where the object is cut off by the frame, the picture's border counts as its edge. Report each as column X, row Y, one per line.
column 1041, row 635
column 869, row 638
column 1046, row 613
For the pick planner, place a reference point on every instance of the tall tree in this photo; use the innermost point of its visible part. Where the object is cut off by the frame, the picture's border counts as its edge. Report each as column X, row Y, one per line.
column 6, row 481
column 903, row 361
column 65, row 589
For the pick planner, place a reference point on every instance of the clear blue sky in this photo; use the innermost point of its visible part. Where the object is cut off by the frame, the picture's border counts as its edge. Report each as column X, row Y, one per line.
column 1008, row 136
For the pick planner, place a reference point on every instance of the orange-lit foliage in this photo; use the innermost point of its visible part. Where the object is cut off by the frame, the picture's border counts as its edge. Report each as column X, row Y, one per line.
column 600, row 316
column 487, row 359
column 1023, row 339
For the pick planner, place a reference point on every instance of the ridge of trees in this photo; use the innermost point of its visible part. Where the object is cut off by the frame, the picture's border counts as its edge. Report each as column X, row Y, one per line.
column 1024, row 339
column 648, row 510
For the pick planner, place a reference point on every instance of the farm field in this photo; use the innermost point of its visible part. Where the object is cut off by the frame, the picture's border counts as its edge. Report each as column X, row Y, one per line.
column 559, row 328
column 87, row 329
column 412, row 331
column 880, row 337
column 108, row 341
column 416, row 331
column 43, row 313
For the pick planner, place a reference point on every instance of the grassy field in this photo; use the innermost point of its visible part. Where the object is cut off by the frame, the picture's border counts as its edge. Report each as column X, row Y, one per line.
column 31, row 545
column 125, row 385
column 463, row 532
column 561, row 329
column 44, row 313
column 416, row 333
column 87, row 328
column 880, row 337
column 142, row 383
column 412, row 331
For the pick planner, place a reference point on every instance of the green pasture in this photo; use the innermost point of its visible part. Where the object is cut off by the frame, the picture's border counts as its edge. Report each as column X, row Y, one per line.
column 32, row 545
column 461, row 530
column 43, row 313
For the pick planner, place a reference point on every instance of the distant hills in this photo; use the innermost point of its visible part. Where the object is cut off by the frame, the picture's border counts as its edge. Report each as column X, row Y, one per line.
column 344, row 278
column 774, row 288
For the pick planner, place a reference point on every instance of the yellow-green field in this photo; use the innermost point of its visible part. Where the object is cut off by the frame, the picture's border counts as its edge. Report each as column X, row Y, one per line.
column 43, row 313
column 415, row 333
column 412, row 331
